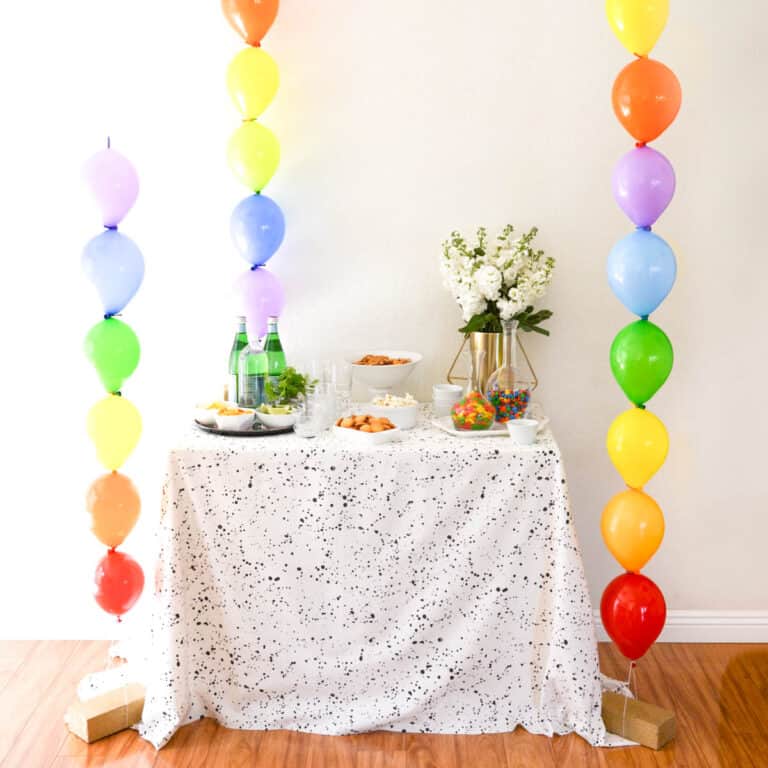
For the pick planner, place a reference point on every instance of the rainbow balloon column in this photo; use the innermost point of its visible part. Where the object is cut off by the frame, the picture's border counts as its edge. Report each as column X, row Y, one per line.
column 641, row 272
column 257, row 223
column 115, row 266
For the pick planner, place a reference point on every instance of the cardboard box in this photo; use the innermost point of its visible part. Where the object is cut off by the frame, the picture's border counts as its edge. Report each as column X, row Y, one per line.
column 644, row 723
column 107, row 713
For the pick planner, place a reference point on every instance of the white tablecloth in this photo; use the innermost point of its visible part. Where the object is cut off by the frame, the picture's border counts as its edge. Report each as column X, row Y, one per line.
column 430, row 585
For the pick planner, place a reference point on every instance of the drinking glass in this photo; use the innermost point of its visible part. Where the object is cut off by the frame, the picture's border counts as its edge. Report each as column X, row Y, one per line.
column 318, row 412
column 341, row 377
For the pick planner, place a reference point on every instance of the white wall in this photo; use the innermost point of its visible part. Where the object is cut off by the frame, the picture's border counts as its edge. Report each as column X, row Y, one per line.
column 399, row 121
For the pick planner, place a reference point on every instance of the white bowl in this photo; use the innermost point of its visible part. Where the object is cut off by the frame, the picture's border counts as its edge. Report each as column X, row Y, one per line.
column 356, row 437
column 277, row 420
column 524, row 431
column 402, row 416
column 207, row 416
column 240, row 423
column 384, row 376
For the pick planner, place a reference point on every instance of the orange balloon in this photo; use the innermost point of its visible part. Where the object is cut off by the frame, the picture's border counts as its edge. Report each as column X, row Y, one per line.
column 251, row 19
column 646, row 98
column 632, row 527
column 114, row 504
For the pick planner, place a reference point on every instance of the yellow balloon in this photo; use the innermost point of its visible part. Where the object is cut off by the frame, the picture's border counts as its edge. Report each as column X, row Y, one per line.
column 637, row 443
column 114, row 425
column 633, row 527
column 637, row 23
column 252, row 80
column 254, row 154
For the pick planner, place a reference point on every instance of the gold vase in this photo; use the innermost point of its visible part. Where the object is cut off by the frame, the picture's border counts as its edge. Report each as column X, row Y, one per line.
column 491, row 345
column 485, row 352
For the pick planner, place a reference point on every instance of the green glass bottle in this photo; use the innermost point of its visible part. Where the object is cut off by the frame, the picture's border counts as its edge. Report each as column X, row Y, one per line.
column 251, row 376
column 238, row 345
column 274, row 349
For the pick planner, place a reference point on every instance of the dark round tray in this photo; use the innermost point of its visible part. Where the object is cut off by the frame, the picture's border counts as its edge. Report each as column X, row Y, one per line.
column 258, row 430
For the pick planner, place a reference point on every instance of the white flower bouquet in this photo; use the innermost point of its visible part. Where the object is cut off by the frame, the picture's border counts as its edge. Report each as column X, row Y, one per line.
column 499, row 281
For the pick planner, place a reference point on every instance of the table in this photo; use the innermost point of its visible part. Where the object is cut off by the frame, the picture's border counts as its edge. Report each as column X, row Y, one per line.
column 429, row 585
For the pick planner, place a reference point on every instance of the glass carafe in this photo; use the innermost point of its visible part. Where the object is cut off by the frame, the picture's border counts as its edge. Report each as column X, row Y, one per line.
column 473, row 411
column 508, row 391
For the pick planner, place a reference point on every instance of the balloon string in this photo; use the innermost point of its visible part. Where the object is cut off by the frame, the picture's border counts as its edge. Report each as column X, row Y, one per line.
column 109, row 142
column 626, row 699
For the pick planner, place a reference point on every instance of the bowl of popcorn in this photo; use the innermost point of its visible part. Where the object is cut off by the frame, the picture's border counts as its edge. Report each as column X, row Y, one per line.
column 384, row 369
column 402, row 411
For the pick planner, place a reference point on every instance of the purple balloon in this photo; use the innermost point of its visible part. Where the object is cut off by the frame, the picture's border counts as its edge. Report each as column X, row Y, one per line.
column 261, row 296
column 643, row 185
column 113, row 182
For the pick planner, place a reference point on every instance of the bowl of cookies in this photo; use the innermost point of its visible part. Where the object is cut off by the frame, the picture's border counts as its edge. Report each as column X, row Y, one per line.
column 384, row 369
column 366, row 429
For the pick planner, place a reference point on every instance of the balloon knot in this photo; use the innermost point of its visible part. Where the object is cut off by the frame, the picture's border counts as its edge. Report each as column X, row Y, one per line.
column 119, row 620
column 118, row 393
column 646, row 228
column 639, row 144
column 254, row 267
column 112, row 227
column 108, row 316
column 641, row 407
column 643, row 317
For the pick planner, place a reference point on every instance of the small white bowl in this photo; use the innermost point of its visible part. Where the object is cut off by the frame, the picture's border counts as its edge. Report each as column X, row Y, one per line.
column 356, row 437
column 242, row 422
column 524, row 431
column 207, row 416
column 402, row 416
column 277, row 420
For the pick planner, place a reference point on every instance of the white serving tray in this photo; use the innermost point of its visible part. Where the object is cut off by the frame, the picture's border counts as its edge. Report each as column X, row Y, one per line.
column 446, row 424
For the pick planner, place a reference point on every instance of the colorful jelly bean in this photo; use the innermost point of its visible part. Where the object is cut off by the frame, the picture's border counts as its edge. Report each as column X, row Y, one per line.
column 509, row 403
column 473, row 412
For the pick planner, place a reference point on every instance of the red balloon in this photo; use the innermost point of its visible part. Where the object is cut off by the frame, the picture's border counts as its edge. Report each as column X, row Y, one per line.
column 633, row 612
column 646, row 98
column 251, row 19
column 119, row 582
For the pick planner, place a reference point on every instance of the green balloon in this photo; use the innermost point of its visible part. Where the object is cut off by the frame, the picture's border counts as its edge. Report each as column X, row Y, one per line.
column 641, row 360
column 113, row 348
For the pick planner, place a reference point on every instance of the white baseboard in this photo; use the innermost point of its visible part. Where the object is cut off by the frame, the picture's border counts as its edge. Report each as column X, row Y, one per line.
column 708, row 627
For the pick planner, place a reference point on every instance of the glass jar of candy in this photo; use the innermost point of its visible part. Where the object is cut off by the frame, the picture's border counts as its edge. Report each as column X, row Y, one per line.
column 507, row 390
column 473, row 411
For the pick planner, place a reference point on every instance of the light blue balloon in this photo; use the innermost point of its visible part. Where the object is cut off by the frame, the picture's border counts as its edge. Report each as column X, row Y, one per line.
column 114, row 264
column 641, row 271
column 258, row 228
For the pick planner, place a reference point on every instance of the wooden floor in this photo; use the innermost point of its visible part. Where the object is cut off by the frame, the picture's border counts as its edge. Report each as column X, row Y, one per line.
column 719, row 693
